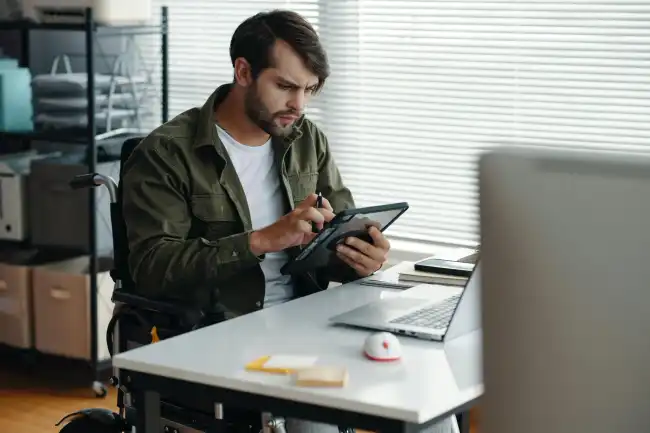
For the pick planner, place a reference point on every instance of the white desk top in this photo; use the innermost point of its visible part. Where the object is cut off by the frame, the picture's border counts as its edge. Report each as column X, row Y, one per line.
column 430, row 380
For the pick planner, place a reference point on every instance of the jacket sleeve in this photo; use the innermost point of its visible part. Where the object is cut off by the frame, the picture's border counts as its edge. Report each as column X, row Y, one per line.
column 163, row 262
column 330, row 183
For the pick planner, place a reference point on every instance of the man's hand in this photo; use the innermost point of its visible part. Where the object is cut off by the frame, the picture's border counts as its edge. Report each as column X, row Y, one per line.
column 363, row 257
column 294, row 228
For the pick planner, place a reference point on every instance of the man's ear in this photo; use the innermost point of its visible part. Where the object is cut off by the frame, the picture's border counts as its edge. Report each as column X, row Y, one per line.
column 243, row 73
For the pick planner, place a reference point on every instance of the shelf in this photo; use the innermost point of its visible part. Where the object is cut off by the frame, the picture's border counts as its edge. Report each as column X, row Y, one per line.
column 106, row 30
column 68, row 136
column 76, row 135
column 85, row 148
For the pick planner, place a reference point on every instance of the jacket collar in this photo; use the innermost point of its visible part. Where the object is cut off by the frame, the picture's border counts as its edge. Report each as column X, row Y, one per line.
column 206, row 131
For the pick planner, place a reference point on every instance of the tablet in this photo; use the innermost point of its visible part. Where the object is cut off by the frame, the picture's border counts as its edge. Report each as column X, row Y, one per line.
column 350, row 222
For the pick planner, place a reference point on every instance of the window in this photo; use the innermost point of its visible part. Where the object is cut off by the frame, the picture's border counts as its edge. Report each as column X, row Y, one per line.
column 200, row 32
column 420, row 88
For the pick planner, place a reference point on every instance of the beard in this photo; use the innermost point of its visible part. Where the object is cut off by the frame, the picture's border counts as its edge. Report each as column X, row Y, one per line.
column 261, row 116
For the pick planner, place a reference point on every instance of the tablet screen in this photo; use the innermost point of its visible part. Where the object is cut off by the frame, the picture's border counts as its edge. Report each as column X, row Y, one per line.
column 379, row 219
column 353, row 222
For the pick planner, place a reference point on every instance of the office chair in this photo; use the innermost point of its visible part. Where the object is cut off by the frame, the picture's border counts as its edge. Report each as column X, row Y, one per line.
column 138, row 321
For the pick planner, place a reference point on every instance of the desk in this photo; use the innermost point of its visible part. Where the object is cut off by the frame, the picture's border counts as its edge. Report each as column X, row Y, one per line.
column 431, row 382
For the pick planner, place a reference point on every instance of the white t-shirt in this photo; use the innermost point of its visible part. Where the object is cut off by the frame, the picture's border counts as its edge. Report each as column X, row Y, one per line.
column 259, row 176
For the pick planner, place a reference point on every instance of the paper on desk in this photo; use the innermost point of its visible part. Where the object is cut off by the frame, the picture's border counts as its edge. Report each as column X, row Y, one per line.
column 389, row 278
column 290, row 361
column 281, row 364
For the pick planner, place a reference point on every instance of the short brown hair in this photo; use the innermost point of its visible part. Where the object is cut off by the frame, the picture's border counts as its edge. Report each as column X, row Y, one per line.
column 255, row 37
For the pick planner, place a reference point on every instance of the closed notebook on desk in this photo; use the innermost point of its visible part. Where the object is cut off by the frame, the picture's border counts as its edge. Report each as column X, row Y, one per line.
column 413, row 276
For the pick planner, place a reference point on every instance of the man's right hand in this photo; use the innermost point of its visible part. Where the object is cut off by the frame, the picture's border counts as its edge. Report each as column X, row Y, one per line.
column 294, row 228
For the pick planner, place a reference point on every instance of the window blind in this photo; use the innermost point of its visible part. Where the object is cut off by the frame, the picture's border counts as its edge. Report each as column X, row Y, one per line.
column 199, row 43
column 420, row 88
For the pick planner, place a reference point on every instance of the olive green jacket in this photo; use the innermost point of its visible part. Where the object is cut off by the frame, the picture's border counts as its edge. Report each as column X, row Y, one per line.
column 187, row 218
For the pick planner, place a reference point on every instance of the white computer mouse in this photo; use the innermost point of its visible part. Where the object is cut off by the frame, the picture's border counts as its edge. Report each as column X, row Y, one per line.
column 382, row 346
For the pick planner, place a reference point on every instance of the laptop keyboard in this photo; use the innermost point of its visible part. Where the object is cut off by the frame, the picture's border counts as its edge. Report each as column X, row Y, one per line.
column 436, row 316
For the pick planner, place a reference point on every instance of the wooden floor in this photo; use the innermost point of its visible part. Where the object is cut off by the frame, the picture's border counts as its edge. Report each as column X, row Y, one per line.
column 32, row 405
column 27, row 406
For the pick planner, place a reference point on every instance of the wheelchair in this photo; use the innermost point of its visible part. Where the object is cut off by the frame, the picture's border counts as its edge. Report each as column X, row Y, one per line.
column 138, row 321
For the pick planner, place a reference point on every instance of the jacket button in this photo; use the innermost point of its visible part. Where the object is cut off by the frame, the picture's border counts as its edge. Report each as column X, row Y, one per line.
column 258, row 304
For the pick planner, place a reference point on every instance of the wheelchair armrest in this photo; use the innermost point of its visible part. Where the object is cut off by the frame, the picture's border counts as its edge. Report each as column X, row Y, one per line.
column 143, row 303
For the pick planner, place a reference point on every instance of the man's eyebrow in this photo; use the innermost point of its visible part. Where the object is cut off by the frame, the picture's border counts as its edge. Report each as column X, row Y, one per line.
column 287, row 82
column 290, row 83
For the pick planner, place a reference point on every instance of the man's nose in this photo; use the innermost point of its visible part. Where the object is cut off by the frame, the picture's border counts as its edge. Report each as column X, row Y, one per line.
column 297, row 101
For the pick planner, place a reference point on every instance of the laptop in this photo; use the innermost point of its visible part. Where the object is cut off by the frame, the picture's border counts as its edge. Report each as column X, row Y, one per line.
column 426, row 311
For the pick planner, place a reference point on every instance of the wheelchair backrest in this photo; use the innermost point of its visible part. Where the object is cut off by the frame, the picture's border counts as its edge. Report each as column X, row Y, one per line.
column 121, row 247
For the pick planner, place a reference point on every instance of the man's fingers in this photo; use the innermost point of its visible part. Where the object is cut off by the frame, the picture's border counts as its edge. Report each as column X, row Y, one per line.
column 314, row 215
column 309, row 201
column 379, row 238
column 364, row 247
column 327, row 214
column 303, row 226
column 327, row 205
column 373, row 251
column 312, row 199
column 351, row 263
column 356, row 256
column 309, row 214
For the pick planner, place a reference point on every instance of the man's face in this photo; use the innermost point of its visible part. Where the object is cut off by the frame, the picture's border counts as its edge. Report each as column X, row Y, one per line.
column 279, row 95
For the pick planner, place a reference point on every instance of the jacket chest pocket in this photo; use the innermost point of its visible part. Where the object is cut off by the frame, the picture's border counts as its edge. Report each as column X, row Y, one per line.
column 216, row 216
column 302, row 184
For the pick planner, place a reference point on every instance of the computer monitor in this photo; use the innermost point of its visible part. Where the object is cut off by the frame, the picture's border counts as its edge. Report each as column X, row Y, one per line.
column 565, row 239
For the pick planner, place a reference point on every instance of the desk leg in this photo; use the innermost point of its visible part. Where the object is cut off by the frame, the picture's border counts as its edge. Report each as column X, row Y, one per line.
column 148, row 412
column 463, row 422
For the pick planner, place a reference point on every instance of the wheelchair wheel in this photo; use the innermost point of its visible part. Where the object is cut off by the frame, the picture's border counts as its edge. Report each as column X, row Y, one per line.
column 100, row 389
column 88, row 425
column 95, row 420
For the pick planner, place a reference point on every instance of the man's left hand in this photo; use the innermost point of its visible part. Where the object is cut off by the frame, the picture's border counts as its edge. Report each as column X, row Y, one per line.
column 363, row 257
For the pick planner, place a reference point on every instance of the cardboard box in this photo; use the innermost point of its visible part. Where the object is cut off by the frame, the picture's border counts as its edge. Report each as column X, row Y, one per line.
column 14, row 210
column 61, row 292
column 16, row 309
column 59, row 215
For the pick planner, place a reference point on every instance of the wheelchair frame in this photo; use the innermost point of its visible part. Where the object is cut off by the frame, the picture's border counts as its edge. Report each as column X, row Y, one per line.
column 136, row 317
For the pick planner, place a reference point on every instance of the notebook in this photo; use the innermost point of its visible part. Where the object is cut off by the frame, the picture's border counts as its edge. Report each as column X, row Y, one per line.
column 419, row 277
column 403, row 276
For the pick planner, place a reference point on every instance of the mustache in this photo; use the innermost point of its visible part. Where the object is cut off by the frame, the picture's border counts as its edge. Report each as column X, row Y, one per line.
column 288, row 113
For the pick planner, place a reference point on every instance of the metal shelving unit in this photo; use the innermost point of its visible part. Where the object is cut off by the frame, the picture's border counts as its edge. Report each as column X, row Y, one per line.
column 92, row 31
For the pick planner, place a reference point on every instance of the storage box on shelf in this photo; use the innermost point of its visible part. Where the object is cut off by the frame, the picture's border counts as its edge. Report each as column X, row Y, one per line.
column 16, row 298
column 16, row 109
column 62, row 323
column 14, row 206
column 58, row 214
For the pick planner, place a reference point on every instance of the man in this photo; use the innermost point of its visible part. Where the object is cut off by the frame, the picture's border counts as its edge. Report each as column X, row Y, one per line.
column 219, row 198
